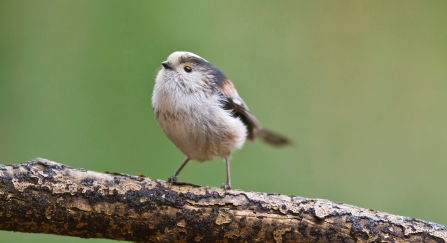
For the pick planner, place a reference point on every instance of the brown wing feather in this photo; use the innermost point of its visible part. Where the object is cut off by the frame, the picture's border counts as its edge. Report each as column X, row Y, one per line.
column 253, row 125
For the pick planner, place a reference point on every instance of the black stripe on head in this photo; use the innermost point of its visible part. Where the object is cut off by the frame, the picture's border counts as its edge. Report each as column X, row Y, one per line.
column 206, row 67
column 219, row 76
column 191, row 59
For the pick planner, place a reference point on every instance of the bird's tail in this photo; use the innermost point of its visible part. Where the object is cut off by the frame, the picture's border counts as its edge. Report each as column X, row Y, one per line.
column 272, row 138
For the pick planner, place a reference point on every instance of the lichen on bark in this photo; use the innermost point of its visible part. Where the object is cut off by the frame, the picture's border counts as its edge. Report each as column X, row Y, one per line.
column 42, row 196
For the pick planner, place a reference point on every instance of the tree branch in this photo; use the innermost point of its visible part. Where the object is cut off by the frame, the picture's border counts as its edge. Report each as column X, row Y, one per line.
column 42, row 196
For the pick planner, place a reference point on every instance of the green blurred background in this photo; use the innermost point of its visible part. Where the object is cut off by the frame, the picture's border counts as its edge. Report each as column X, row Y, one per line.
column 360, row 86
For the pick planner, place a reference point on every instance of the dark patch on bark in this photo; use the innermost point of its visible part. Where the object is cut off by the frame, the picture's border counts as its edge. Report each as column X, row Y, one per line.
column 357, row 228
column 331, row 234
column 302, row 228
column 316, row 233
column 158, row 209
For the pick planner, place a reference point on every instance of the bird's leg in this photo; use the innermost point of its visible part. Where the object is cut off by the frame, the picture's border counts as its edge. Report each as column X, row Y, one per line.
column 228, row 185
column 173, row 178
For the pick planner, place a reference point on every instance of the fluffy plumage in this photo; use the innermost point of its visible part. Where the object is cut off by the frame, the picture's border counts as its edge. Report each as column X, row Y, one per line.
column 201, row 112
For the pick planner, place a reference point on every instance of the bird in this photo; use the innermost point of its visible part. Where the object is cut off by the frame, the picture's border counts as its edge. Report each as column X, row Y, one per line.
column 201, row 112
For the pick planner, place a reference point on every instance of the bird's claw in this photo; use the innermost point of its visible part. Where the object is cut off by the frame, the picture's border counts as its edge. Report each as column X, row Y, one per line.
column 226, row 186
column 172, row 179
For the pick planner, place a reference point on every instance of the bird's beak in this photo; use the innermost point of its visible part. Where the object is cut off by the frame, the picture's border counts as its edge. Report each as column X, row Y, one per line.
column 166, row 65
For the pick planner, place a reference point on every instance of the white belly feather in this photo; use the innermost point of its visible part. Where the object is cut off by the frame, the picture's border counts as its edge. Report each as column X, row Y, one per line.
column 197, row 125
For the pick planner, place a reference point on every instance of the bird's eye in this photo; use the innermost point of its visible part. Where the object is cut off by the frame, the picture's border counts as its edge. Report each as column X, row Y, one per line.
column 187, row 68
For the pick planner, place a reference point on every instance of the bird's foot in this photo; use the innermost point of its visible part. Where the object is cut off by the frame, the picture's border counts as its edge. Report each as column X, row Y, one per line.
column 172, row 179
column 226, row 186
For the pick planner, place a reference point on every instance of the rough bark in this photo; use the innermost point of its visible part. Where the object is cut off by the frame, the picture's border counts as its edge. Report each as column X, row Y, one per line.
column 42, row 196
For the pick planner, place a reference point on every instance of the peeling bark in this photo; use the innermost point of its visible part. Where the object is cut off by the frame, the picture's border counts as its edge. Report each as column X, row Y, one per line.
column 42, row 196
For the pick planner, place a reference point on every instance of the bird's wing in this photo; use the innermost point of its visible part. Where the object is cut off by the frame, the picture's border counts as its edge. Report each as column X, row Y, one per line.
column 236, row 105
column 232, row 102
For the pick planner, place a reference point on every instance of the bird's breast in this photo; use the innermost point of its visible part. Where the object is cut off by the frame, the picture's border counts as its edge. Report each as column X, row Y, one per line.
column 202, row 132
